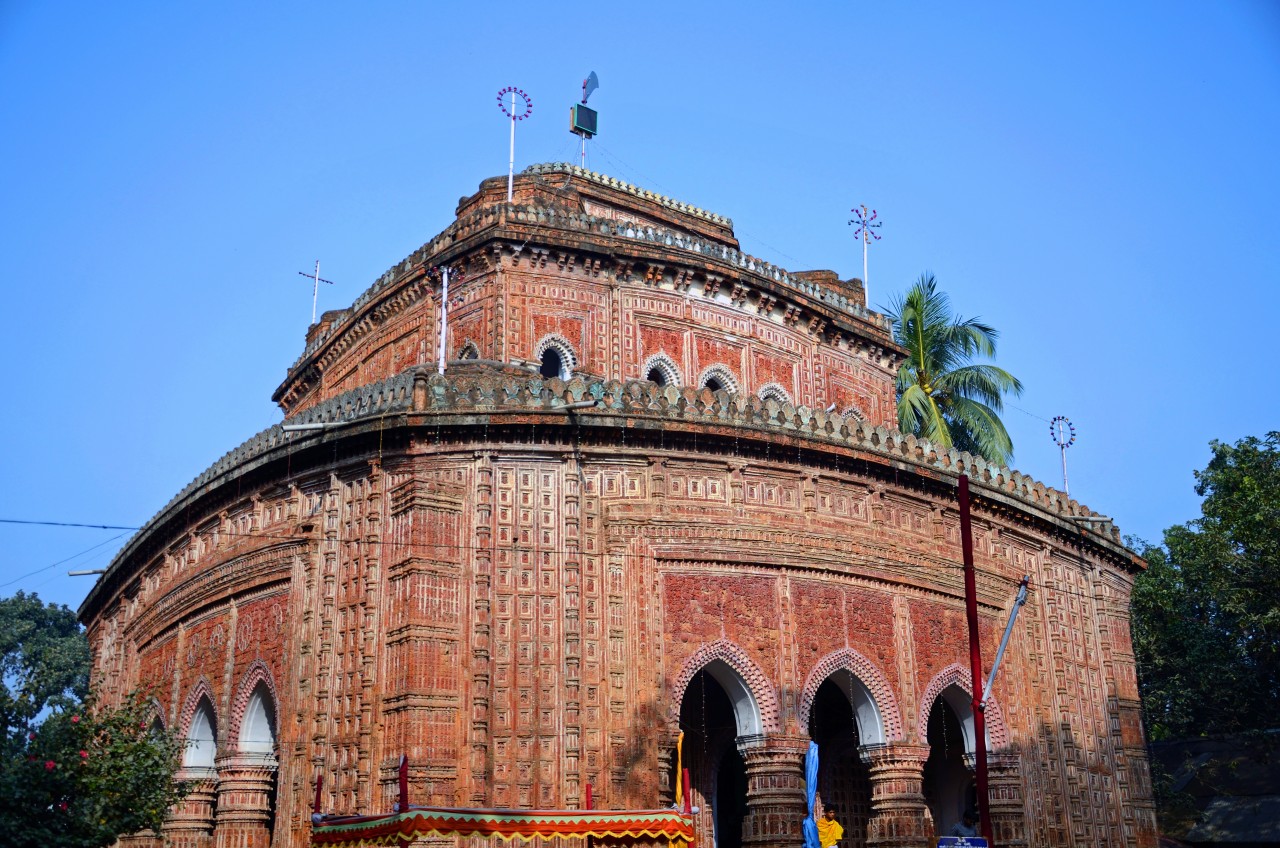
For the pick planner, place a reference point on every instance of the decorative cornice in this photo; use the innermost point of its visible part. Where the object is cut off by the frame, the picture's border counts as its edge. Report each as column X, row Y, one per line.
column 545, row 168
column 495, row 393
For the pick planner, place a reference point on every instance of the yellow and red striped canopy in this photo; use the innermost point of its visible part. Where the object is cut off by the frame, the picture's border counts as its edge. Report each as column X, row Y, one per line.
column 395, row 828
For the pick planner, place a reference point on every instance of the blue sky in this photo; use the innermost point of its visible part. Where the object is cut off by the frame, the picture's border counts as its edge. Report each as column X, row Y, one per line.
column 1096, row 180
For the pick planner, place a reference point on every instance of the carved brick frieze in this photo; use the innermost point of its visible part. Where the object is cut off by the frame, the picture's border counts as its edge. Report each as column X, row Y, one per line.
column 516, row 581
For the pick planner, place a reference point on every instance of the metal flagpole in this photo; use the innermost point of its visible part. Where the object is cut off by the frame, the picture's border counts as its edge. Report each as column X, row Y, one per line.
column 864, row 259
column 1063, row 433
column 511, row 113
column 866, row 231
column 511, row 162
column 444, row 309
column 1004, row 641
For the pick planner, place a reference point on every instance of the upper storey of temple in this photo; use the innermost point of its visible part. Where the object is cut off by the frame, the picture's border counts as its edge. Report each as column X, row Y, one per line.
column 584, row 274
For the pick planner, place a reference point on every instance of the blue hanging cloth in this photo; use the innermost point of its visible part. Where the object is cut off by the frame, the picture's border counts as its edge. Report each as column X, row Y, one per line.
column 811, row 794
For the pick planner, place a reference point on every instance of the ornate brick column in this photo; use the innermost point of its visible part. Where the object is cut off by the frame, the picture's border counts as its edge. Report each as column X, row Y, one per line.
column 1004, row 791
column 899, row 816
column 190, row 823
column 775, row 789
column 244, row 800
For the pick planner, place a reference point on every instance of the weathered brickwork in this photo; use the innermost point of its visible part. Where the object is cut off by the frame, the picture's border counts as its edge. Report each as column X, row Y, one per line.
column 530, row 584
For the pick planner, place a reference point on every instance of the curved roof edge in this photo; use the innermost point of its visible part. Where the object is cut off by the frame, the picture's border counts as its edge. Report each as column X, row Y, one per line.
column 479, row 388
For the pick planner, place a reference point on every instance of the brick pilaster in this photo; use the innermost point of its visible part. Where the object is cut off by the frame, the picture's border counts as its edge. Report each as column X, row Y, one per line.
column 190, row 823
column 775, row 789
column 899, row 816
column 244, row 801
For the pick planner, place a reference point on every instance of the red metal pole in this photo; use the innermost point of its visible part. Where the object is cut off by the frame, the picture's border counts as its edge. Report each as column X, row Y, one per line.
column 975, row 659
column 403, row 806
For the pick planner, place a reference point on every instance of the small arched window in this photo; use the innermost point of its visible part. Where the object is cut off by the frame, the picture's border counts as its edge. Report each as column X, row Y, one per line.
column 552, row 364
column 201, row 738
column 718, row 378
column 555, row 358
column 661, row 369
column 469, row 351
column 773, row 391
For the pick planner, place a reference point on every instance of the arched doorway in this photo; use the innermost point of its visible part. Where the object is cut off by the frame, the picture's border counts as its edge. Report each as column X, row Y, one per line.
column 949, row 787
column 717, row 709
column 844, row 781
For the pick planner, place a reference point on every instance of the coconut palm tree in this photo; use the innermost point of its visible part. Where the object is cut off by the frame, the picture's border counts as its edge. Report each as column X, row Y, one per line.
column 941, row 395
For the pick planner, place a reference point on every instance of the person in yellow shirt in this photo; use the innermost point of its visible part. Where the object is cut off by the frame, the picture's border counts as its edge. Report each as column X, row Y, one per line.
column 829, row 830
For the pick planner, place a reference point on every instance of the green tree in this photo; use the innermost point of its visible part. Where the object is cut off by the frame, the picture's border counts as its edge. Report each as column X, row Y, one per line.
column 1206, row 613
column 942, row 395
column 72, row 772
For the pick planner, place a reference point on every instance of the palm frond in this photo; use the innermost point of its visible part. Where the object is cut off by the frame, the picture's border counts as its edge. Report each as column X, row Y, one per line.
column 942, row 395
column 982, row 428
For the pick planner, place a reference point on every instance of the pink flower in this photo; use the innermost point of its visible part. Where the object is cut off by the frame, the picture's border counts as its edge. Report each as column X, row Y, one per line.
column 63, row 806
column 31, row 737
column 84, row 755
column 50, row 765
column 75, row 719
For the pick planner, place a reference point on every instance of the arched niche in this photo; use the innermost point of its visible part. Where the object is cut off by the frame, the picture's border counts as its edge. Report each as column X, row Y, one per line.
column 753, row 699
column 202, row 738
column 774, row 391
column 718, row 378
column 865, row 712
column 661, row 369
column 258, row 726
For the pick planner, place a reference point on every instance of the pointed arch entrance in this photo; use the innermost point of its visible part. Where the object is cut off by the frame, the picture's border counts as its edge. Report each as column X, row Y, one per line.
column 843, row 715
column 946, row 723
column 718, row 711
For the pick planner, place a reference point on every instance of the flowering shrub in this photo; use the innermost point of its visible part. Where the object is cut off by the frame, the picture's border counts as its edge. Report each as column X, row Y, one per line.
column 74, row 773
column 81, row 780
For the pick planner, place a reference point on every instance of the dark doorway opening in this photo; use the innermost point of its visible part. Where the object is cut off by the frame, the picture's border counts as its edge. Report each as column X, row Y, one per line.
column 717, row 772
column 844, row 782
column 949, row 787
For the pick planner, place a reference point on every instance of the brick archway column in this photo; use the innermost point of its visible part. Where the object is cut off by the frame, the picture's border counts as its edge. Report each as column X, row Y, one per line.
column 190, row 823
column 899, row 816
column 1004, row 791
column 775, row 789
column 244, row 801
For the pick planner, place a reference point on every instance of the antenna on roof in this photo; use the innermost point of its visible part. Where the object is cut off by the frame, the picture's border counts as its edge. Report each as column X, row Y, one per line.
column 515, row 115
column 316, row 280
column 583, row 121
